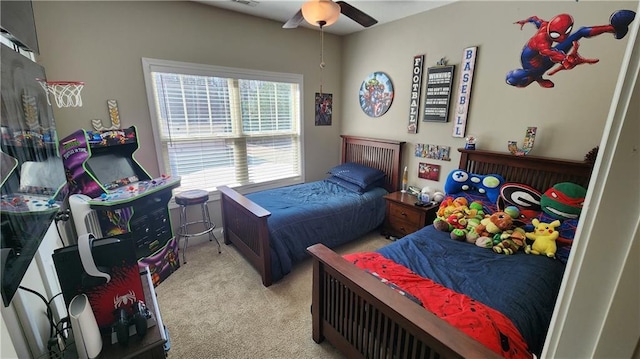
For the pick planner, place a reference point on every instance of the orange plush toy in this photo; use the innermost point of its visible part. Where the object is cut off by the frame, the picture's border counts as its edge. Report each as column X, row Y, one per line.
column 489, row 230
column 496, row 223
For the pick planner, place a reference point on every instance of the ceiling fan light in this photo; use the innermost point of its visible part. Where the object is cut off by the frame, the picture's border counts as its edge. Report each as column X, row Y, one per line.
column 317, row 12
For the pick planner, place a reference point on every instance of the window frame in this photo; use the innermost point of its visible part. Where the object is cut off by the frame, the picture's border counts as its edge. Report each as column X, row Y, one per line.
column 150, row 65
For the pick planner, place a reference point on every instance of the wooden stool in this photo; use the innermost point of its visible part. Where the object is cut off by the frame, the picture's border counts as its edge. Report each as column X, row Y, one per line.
column 190, row 198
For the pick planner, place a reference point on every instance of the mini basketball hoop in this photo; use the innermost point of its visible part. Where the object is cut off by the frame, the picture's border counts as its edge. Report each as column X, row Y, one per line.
column 66, row 93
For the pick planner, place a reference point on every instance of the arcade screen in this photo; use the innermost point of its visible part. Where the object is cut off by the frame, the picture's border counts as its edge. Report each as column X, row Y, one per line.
column 28, row 140
column 112, row 170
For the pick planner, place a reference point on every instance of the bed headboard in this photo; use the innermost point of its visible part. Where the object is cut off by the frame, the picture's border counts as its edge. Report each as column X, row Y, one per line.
column 382, row 154
column 540, row 173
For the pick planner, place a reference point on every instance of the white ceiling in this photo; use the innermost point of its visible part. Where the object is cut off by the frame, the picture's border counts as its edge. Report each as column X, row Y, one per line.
column 383, row 11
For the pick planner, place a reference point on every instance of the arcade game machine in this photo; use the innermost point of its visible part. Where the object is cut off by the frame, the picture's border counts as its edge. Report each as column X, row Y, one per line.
column 32, row 181
column 111, row 195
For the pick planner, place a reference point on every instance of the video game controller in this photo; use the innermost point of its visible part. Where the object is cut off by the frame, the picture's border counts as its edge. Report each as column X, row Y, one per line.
column 459, row 180
column 138, row 318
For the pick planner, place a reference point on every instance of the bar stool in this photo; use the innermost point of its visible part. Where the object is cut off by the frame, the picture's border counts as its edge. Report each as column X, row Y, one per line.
column 190, row 198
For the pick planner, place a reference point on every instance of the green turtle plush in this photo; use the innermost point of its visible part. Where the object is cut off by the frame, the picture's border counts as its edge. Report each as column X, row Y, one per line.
column 563, row 200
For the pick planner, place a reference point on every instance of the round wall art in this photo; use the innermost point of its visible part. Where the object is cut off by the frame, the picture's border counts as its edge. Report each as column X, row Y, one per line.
column 376, row 94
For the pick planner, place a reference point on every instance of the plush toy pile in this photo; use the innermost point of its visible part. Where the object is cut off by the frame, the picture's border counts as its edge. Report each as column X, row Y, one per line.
column 524, row 220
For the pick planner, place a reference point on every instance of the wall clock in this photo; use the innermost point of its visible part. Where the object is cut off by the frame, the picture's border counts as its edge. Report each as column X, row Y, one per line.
column 376, row 94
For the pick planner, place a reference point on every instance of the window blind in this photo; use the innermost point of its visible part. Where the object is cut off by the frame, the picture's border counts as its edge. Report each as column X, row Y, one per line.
column 220, row 127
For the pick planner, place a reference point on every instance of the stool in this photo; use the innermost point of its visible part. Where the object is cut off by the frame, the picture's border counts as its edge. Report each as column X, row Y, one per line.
column 190, row 198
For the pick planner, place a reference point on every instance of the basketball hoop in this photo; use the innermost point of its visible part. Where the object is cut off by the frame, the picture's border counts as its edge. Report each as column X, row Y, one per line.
column 66, row 93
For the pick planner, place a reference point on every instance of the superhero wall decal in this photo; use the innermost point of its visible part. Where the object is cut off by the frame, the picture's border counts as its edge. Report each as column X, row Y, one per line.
column 555, row 46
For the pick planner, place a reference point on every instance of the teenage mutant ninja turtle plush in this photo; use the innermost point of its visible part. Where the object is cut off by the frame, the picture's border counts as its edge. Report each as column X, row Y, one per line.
column 563, row 200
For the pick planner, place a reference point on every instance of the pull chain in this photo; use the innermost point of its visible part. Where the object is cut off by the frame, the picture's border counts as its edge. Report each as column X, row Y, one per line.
column 322, row 64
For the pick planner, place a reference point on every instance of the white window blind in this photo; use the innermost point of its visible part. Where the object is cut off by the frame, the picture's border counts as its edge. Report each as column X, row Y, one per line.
column 219, row 126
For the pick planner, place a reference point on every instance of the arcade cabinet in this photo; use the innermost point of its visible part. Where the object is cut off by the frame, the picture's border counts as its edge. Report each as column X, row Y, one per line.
column 111, row 195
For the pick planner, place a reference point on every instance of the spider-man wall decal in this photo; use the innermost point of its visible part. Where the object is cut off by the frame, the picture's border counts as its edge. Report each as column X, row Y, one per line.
column 554, row 44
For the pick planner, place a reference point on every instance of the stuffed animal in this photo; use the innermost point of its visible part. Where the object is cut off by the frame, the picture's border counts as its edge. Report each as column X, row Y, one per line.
column 496, row 223
column 525, row 198
column 461, row 181
column 455, row 216
column 563, row 200
column 544, row 238
column 452, row 205
column 511, row 241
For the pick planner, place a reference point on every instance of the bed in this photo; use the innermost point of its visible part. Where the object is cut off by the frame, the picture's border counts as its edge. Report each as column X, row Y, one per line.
column 273, row 228
column 364, row 317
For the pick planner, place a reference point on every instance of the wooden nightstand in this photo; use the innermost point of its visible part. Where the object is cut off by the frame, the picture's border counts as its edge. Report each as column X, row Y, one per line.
column 404, row 217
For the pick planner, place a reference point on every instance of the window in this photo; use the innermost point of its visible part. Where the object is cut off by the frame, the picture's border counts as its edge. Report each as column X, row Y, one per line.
column 218, row 126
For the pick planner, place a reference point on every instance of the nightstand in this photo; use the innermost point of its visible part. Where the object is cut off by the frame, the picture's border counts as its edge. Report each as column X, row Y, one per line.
column 404, row 217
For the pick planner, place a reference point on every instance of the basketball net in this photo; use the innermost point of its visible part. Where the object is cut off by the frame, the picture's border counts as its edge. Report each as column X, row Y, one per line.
column 66, row 93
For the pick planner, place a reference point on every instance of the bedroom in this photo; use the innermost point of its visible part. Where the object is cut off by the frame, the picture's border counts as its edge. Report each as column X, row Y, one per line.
column 102, row 44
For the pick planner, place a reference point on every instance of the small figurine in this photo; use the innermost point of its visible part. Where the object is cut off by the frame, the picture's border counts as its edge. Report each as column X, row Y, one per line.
column 470, row 143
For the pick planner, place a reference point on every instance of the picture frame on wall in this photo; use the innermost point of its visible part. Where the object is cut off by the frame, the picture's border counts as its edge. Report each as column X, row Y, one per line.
column 429, row 171
column 439, row 83
column 324, row 109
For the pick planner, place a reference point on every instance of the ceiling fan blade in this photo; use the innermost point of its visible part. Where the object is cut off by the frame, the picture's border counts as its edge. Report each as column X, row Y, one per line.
column 356, row 15
column 294, row 21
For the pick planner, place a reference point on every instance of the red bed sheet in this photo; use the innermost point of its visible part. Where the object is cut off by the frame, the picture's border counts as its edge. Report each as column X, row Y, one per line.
column 482, row 323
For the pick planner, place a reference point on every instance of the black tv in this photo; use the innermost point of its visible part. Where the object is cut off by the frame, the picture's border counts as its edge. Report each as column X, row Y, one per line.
column 29, row 147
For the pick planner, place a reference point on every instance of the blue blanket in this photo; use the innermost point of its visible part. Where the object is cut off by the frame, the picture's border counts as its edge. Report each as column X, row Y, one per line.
column 522, row 287
column 316, row 212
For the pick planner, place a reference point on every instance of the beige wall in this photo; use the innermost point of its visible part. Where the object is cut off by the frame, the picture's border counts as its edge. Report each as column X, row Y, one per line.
column 570, row 117
column 102, row 43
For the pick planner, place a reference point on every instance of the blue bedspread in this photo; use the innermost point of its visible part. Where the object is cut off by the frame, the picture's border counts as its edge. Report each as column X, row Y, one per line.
column 523, row 287
column 316, row 212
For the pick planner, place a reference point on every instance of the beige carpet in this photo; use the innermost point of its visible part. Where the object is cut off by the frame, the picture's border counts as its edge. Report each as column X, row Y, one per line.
column 215, row 306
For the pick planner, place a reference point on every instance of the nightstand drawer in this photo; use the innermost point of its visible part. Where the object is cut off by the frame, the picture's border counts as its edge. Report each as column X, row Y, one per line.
column 403, row 213
column 403, row 227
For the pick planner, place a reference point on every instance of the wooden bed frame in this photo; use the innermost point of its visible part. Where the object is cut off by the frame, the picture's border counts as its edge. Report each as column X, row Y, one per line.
column 364, row 318
column 245, row 222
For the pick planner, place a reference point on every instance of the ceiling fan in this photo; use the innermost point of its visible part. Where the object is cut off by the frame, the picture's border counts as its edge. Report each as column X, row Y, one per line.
column 326, row 12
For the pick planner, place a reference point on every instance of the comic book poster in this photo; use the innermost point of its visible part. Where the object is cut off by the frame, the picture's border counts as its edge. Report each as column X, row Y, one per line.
column 324, row 109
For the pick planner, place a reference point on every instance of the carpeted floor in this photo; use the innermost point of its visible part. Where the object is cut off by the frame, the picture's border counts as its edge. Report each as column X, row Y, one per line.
column 215, row 306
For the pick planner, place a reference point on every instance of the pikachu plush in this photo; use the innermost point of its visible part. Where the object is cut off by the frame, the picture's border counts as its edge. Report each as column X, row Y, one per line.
column 544, row 237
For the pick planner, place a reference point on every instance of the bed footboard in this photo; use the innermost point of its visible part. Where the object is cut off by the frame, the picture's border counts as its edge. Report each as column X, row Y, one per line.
column 364, row 318
column 244, row 225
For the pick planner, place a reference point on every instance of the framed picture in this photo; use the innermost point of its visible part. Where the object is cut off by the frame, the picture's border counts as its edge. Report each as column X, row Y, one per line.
column 376, row 94
column 437, row 152
column 429, row 171
column 439, row 82
column 324, row 109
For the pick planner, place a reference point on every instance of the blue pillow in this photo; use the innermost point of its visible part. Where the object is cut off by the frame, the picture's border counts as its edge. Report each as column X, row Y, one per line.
column 345, row 184
column 358, row 174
